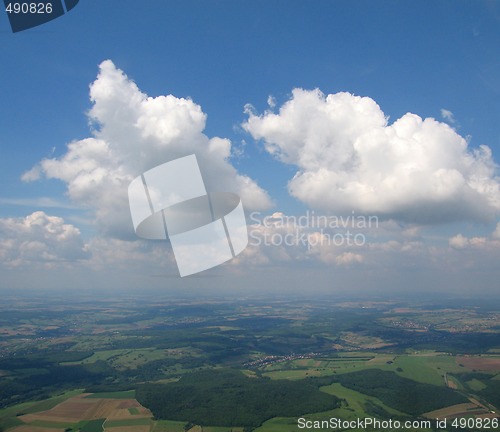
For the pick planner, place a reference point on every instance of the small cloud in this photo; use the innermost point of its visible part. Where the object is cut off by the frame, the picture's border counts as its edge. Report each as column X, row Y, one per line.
column 32, row 175
column 348, row 258
column 458, row 242
column 448, row 116
column 271, row 101
column 478, row 241
column 238, row 151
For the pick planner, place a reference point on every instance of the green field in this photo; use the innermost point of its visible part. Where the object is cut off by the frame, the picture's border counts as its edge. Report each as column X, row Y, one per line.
column 126, row 358
column 426, row 368
column 52, row 424
column 93, row 426
column 128, row 422
column 129, row 394
column 476, row 385
column 169, row 426
column 356, row 403
column 300, row 369
column 221, row 429
column 8, row 416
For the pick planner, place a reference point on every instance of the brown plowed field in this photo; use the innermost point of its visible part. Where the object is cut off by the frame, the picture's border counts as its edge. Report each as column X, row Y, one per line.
column 480, row 363
column 460, row 410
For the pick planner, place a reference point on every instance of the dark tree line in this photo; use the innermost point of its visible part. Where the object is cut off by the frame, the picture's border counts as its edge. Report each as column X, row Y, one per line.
column 229, row 398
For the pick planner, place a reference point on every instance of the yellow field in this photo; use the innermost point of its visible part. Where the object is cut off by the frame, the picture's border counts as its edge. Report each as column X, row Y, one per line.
column 80, row 408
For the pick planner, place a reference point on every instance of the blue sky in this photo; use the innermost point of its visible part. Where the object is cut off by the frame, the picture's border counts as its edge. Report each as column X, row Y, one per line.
column 408, row 57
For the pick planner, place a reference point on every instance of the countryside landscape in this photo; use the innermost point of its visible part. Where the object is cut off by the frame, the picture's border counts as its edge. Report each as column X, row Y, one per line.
column 151, row 364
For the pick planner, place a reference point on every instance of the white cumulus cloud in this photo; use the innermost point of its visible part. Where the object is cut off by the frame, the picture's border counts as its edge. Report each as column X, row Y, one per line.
column 349, row 158
column 134, row 132
column 458, row 242
column 39, row 239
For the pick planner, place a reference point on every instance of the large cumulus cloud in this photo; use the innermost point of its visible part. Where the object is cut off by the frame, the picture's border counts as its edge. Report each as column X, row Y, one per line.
column 348, row 157
column 133, row 133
